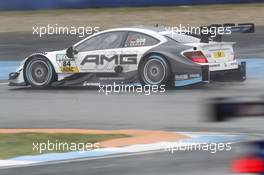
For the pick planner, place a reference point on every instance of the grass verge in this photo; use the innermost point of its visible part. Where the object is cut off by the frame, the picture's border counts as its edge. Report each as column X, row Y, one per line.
column 19, row 144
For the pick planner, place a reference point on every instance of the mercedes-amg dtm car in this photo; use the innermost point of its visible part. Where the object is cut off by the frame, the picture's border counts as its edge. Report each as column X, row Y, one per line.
column 145, row 55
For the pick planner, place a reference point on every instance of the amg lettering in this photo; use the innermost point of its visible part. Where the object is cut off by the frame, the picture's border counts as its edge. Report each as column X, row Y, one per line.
column 128, row 59
column 91, row 59
column 108, row 59
column 118, row 59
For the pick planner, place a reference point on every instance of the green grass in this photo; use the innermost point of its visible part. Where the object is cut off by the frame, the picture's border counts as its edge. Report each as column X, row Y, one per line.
column 13, row 145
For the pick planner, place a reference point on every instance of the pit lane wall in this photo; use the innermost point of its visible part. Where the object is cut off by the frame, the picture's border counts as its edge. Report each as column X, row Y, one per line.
column 59, row 4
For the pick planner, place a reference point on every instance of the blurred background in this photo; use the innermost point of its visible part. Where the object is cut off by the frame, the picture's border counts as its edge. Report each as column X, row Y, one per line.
column 71, row 4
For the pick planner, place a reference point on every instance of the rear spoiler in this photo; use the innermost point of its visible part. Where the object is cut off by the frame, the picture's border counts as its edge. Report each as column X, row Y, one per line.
column 227, row 28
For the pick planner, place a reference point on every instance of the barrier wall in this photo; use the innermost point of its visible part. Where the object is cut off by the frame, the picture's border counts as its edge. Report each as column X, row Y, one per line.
column 54, row 4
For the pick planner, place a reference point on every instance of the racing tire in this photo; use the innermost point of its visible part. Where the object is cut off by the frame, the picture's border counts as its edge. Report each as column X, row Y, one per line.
column 39, row 73
column 154, row 70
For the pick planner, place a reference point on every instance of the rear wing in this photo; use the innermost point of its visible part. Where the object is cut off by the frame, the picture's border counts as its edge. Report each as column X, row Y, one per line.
column 218, row 30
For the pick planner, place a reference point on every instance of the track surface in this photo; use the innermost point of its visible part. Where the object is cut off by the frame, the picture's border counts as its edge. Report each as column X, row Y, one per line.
column 87, row 108
column 183, row 163
column 180, row 109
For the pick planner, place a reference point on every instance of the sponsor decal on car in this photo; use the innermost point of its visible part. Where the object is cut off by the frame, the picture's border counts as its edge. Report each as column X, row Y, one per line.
column 186, row 76
column 69, row 69
column 219, row 54
column 117, row 58
column 63, row 57
column 67, row 65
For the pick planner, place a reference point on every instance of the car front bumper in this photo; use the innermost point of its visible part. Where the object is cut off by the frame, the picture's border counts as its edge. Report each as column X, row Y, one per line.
column 16, row 79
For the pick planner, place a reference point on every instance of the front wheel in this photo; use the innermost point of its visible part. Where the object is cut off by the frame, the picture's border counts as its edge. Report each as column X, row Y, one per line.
column 154, row 70
column 39, row 73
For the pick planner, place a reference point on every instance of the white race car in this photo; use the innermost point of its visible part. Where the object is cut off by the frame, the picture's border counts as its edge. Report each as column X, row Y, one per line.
column 145, row 55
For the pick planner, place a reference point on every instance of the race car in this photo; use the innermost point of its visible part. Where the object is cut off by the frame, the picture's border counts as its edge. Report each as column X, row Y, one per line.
column 135, row 55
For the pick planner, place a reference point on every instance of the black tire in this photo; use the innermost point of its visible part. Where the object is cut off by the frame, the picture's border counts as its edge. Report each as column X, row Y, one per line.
column 39, row 72
column 154, row 70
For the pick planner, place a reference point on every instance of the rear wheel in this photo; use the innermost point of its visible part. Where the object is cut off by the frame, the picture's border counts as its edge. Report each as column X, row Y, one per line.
column 154, row 70
column 39, row 73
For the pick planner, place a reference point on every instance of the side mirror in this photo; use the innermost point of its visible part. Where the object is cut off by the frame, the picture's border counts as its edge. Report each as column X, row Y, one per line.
column 70, row 52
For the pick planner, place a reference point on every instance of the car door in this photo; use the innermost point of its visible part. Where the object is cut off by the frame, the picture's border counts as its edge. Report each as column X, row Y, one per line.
column 100, row 53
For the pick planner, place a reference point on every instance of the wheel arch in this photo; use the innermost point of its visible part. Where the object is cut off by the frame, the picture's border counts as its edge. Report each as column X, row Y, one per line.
column 37, row 56
column 144, row 57
column 165, row 57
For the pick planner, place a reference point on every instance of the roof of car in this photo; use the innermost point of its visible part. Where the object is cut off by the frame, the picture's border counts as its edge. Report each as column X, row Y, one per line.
column 141, row 29
column 149, row 28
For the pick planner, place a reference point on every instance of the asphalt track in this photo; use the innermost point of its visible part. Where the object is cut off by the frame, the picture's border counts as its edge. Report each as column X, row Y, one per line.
column 183, row 109
column 183, row 163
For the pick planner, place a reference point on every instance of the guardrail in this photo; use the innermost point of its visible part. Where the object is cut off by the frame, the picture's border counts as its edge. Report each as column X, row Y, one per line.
column 55, row 4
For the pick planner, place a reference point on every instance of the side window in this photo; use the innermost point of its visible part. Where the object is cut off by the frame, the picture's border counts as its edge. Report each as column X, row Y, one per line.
column 90, row 44
column 135, row 39
column 108, row 40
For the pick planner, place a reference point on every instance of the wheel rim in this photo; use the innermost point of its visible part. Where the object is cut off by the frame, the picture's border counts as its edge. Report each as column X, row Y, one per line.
column 39, row 72
column 154, row 71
